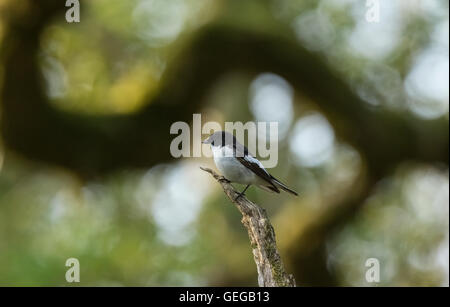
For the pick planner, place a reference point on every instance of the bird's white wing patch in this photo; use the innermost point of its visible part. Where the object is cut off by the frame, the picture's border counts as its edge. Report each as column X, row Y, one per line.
column 255, row 161
column 255, row 166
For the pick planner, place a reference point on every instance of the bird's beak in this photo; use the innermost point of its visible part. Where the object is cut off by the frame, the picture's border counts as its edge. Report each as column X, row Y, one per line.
column 204, row 141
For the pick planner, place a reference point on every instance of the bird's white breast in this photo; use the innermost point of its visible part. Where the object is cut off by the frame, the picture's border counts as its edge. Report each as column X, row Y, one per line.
column 231, row 168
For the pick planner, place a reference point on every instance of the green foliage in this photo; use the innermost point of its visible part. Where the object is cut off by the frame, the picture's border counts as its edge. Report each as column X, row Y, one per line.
column 169, row 224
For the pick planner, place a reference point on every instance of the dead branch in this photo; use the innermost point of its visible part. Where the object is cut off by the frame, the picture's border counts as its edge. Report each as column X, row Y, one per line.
column 270, row 268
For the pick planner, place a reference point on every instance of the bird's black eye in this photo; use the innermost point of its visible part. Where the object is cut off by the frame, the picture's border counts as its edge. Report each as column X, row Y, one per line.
column 212, row 143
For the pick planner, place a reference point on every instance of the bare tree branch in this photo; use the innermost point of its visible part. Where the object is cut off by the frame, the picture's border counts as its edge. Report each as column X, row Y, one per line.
column 270, row 268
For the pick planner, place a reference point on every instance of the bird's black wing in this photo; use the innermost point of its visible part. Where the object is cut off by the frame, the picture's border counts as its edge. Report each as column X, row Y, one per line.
column 253, row 165
column 245, row 158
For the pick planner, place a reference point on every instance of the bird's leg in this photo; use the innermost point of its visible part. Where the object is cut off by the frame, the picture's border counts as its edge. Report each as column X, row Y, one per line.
column 243, row 192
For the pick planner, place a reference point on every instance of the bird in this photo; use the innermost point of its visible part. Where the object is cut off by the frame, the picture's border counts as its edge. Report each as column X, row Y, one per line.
column 237, row 165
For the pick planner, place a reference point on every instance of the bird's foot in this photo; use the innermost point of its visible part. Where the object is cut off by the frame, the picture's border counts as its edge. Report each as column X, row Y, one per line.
column 239, row 195
column 242, row 193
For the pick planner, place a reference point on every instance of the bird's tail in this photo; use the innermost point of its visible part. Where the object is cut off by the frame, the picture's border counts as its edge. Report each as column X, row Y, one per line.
column 282, row 186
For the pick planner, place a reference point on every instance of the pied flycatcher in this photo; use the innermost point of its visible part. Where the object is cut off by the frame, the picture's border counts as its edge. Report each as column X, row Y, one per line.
column 237, row 165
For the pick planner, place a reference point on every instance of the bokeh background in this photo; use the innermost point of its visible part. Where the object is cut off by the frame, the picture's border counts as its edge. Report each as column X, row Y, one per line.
column 85, row 168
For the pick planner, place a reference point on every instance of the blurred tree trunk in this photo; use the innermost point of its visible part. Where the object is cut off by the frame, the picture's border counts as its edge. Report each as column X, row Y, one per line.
column 93, row 145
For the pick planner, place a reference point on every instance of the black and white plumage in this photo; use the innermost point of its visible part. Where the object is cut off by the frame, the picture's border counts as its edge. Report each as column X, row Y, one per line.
column 237, row 165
